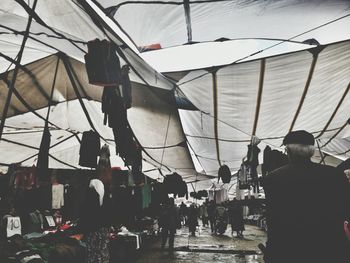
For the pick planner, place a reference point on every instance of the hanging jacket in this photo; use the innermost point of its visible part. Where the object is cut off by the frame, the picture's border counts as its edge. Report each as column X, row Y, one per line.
column 253, row 155
column 102, row 63
column 43, row 157
column 89, row 149
column 266, row 158
column 182, row 191
column 126, row 86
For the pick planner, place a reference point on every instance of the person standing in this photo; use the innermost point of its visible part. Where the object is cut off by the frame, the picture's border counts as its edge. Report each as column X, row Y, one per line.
column 168, row 222
column 192, row 219
column 307, row 204
column 93, row 225
column 235, row 216
column 183, row 213
column 211, row 215
column 221, row 218
column 203, row 214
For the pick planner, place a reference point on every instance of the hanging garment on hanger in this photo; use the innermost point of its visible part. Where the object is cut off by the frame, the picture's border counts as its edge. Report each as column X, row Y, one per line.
column 126, row 86
column 102, row 63
column 89, row 149
column 43, row 157
column 57, row 196
column 253, row 155
column 266, row 158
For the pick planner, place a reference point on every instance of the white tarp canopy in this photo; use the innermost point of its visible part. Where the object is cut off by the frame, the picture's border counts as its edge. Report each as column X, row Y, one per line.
column 63, row 26
column 178, row 22
column 267, row 97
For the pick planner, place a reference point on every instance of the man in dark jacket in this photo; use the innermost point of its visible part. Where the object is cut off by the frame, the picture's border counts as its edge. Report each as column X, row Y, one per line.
column 307, row 204
column 169, row 222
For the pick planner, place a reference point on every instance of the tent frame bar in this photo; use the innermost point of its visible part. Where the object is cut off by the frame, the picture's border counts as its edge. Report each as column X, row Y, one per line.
column 259, row 96
column 335, row 111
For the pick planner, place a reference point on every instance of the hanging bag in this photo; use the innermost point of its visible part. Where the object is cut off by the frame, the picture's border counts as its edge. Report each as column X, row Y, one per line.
column 224, row 174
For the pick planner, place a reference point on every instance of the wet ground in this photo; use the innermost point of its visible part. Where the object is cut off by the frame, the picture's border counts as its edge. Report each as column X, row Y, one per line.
column 205, row 247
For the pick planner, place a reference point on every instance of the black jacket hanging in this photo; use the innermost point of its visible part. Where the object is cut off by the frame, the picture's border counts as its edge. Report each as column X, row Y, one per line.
column 102, row 63
column 89, row 149
column 182, row 192
column 126, row 86
column 43, row 157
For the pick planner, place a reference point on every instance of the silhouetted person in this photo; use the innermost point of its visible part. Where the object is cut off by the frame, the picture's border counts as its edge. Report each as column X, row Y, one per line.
column 183, row 213
column 211, row 215
column 192, row 219
column 168, row 222
column 235, row 217
column 307, row 204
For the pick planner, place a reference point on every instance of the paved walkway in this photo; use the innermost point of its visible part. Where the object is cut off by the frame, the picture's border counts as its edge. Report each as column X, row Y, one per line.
column 205, row 247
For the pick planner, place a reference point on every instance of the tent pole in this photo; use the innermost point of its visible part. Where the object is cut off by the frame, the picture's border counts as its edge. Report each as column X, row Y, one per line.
column 187, row 8
column 215, row 107
column 12, row 84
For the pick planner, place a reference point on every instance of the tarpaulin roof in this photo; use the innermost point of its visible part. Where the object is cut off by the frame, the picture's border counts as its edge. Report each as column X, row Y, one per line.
column 63, row 26
column 268, row 98
column 177, row 22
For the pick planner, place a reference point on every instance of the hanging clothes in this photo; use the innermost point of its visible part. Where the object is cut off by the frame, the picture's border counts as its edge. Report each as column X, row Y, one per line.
column 99, row 188
column 104, row 160
column 211, row 195
column 113, row 108
column 266, row 157
column 221, row 195
column 146, row 191
column 183, row 191
column 25, row 178
column 102, row 63
column 43, row 157
column 104, row 170
column 126, row 86
column 57, row 196
column 253, row 155
column 89, row 149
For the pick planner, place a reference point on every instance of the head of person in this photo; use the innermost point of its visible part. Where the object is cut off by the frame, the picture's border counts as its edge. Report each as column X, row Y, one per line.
column 299, row 145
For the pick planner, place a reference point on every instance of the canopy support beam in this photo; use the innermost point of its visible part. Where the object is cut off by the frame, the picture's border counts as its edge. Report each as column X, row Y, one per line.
column 335, row 111
column 188, row 20
column 52, row 146
column 35, row 148
column 259, row 96
column 336, row 134
column 215, row 102
column 29, row 73
column 315, row 53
